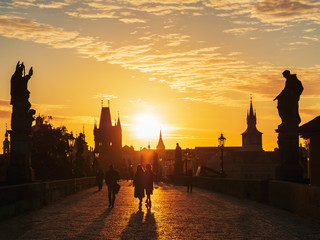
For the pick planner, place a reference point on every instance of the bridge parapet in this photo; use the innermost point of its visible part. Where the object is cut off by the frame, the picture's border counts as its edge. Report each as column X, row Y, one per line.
column 16, row 199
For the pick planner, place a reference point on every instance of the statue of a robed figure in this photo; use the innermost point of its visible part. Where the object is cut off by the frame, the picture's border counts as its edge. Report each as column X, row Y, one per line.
column 21, row 120
column 288, row 138
column 288, row 106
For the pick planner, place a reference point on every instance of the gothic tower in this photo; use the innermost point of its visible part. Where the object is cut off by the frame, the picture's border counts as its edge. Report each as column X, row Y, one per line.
column 108, row 141
column 252, row 138
column 6, row 143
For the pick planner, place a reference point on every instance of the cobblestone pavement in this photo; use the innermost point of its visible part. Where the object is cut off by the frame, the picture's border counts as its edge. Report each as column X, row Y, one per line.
column 175, row 214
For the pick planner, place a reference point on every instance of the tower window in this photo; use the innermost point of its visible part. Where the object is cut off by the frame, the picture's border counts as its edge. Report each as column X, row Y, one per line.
column 110, row 144
column 100, row 144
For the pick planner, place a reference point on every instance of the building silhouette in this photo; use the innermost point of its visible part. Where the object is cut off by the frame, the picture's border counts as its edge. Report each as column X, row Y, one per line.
column 251, row 138
column 108, row 141
column 248, row 161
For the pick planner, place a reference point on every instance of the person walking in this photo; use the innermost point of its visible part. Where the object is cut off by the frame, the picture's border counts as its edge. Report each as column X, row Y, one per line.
column 138, row 183
column 99, row 179
column 112, row 176
column 149, row 184
column 189, row 180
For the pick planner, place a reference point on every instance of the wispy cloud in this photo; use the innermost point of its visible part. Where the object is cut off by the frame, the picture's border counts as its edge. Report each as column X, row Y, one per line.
column 105, row 96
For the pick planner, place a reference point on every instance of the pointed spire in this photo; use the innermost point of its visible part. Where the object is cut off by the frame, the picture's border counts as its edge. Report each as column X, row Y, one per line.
column 119, row 123
column 6, row 134
column 102, row 103
column 160, row 143
column 251, row 108
column 149, row 145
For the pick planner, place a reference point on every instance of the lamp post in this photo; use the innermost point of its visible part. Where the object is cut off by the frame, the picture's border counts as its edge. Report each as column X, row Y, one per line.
column 187, row 155
column 222, row 140
column 71, row 141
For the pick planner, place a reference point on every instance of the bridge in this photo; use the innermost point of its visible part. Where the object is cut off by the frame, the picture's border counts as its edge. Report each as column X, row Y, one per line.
column 175, row 214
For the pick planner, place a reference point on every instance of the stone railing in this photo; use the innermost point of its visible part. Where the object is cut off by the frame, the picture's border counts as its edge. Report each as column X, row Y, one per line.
column 301, row 199
column 16, row 199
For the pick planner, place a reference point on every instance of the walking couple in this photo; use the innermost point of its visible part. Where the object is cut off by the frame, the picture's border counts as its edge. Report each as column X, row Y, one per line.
column 143, row 180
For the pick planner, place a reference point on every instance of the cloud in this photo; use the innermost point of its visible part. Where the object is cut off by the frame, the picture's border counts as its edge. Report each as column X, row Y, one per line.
column 287, row 11
column 132, row 20
column 240, row 30
column 204, row 72
column 105, row 96
column 40, row 3
column 23, row 29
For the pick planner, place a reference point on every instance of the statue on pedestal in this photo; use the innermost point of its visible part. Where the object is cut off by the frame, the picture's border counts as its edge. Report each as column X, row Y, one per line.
column 288, row 136
column 21, row 120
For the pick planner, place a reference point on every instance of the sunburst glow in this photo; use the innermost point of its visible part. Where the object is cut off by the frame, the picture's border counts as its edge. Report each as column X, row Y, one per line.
column 146, row 125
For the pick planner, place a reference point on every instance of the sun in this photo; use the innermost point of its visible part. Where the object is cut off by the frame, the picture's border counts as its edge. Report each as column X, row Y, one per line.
column 146, row 126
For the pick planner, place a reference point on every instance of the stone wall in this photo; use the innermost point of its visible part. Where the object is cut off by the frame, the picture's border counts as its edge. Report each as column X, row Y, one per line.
column 300, row 199
column 16, row 199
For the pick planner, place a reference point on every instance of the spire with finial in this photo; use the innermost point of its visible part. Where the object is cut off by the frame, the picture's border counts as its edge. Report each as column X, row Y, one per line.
column 251, row 138
column 119, row 123
column 102, row 103
column 160, row 143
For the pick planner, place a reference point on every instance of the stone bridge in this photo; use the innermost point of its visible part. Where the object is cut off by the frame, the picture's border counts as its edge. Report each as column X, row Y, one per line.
column 175, row 214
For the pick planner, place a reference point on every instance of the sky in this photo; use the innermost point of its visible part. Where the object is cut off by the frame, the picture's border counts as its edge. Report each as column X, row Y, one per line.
column 186, row 67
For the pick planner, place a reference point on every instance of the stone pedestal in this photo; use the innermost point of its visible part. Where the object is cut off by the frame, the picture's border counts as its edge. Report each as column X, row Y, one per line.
column 20, row 170
column 288, row 141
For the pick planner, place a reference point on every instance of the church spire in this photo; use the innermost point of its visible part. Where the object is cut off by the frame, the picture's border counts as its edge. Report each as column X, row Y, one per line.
column 160, row 143
column 252, row 137
column 119, row 123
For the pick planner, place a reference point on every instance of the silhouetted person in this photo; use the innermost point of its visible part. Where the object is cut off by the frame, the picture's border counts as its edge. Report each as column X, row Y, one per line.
column 288, row 99
column 112, row 176
column 178, row 160
column 138, row 183
column 189, row 180
column 99, row 178
column 148, row 182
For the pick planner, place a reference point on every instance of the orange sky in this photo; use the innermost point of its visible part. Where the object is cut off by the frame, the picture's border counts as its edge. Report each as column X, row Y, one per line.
column 187, row 67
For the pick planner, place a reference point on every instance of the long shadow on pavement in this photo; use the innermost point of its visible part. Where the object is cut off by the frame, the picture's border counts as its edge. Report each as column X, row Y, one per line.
column 139, row 229
column 94, row 229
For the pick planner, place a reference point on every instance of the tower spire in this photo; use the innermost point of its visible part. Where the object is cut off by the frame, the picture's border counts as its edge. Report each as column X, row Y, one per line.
column 251, row 108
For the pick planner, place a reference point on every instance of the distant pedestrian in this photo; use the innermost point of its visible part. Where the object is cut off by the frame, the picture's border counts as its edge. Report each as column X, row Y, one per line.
column 148, row 183
column 189, row 180
column 138, row 183
column 112, row 176
column 99, row 178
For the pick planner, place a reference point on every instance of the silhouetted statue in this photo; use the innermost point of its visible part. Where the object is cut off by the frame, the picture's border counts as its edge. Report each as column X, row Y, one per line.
column 288, row 106
column 112, row 176
column 22, row 115
column 288, row 136
column 21, row 120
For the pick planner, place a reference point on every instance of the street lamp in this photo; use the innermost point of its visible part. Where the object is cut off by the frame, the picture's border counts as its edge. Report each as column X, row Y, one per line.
column 187, row 154
column 222, row 140
column 71, row 141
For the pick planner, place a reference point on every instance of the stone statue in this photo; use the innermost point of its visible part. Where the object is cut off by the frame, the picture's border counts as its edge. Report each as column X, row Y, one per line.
column 22, row 115
column 288, row 106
